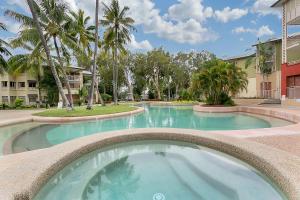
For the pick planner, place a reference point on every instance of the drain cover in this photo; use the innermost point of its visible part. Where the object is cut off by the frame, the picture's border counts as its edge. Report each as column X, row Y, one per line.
column 159, row 196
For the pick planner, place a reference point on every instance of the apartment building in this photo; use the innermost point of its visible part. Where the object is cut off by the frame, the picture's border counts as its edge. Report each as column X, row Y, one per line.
column 23, row 86
column 290, row 62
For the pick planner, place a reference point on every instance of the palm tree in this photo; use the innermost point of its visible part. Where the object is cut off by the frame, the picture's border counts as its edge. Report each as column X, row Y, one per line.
column 84, row 34
column 35, row 21
column 33, row 62
column 94, row 70
column 118, row 26
column 3, row 51
column 55, row 22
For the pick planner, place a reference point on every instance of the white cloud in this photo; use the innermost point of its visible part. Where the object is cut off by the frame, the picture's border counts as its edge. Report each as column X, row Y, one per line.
column 186, row 26
column 262, row 31
column 143, row 45
column 228, row 14
column 263, row 7
column 186, row 9
column 12, row 26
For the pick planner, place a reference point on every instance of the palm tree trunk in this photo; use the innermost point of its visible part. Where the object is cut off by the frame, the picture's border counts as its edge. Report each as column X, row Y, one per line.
column 91, row 91
column 115, row 77
column 65, row 77
column 39, row 90
column 47, row 50
column 98, row 93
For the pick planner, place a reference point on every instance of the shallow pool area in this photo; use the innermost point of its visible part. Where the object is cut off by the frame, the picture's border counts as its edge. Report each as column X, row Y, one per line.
column 46, row 135
column 158, row 170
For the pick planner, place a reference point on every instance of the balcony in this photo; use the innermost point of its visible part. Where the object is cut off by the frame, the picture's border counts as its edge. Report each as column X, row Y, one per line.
column 74, row 78
column 292, row 11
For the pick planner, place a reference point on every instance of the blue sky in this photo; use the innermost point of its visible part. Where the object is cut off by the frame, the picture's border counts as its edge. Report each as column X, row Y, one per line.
column 226, row 28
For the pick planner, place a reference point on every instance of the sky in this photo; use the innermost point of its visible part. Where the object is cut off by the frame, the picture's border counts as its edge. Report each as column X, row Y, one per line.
column 223, row 27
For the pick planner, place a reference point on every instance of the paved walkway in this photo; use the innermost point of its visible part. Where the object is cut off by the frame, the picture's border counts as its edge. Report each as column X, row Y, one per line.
column 15, row 116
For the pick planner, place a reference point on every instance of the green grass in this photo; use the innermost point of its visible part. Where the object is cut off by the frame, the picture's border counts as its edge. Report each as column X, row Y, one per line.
column 82, row 111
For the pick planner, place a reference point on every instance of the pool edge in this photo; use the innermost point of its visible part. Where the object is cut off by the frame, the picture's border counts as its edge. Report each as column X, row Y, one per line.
column 29, row 171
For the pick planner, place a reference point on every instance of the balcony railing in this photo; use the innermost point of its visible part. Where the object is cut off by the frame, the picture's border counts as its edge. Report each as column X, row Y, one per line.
column 74, row 78
column 293, row 92
column 270, row 94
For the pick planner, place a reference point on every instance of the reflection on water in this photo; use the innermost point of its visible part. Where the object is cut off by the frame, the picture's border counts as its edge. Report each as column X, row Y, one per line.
column 165, row 117
column 139, row 170
column 117, row 179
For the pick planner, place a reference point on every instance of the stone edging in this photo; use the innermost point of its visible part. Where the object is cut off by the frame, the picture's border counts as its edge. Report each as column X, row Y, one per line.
column 282, row 114
column 70, row 119
column 22, row 175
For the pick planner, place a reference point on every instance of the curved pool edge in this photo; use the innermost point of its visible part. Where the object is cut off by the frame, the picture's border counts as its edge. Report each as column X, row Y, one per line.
column 68, row 119
column 85, row 118
column 280, row 113
column 22, row 175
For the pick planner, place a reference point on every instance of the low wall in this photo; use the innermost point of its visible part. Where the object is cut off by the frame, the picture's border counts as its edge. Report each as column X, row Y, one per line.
column 22, row 175
column 272, row 112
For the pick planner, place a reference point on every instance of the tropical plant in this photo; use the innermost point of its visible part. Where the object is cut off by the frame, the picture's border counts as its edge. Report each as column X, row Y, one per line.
column 82, row 93
column 3, row 51
column 219, row 81
column 94, row 70
column 157, row 63
column 36, row 26
column 118, row 26
column 33, row 62
column 265, row 65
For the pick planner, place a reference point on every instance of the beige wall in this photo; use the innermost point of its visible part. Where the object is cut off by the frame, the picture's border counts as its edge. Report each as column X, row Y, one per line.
column 251, row 89
column 250, row 70
column 17, row 91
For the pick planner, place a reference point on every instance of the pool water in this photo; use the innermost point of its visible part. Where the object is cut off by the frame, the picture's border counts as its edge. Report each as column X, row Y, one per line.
column 46, row 135
column 157, row 170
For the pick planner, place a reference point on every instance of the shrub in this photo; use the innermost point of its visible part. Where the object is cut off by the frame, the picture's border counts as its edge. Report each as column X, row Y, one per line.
column 218, row 82
column 106, row 97
column 19, row 103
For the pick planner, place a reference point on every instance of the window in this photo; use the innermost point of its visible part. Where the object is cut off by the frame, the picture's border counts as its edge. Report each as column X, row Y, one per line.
column 5, row 99
column 4, row 83
column 12, row 84
column 12, row 99
column 21, row 84
column 32, row 84
column 32, row 98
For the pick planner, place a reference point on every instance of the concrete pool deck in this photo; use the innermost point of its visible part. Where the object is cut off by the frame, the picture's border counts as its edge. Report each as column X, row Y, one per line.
column 273, row 151
column 22, row 175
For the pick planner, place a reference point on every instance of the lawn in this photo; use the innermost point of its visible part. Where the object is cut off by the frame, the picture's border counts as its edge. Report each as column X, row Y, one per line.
column 82, row 111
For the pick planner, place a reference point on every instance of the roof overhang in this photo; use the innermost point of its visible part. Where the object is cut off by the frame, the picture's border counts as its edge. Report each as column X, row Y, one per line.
column 279, row 3
column 240, row 57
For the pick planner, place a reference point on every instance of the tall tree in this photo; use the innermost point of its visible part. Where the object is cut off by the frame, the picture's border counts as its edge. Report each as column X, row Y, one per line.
column 55, row 24
column 32, row 5
column 3, row 51
column 118, row 26
column 265, row 53
column 94, row 71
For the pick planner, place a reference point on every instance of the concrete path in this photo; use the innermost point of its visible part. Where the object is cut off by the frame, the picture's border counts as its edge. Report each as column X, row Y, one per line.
column 16, row 116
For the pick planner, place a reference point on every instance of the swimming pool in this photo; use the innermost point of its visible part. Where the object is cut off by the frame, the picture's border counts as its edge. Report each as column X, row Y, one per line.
column 46, row 135
column 158, row 170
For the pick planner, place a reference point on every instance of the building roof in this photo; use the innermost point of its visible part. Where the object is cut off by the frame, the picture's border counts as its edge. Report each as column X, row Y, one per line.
column 278, row 3
column 240, row 56
column 290, row 37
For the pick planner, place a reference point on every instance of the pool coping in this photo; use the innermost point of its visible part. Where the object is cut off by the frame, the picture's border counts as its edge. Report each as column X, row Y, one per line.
column 22, row 175
column 69, row 119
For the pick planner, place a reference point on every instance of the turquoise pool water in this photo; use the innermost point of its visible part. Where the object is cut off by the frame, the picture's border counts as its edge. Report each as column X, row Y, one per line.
column 158, row 170
column 46, row 135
